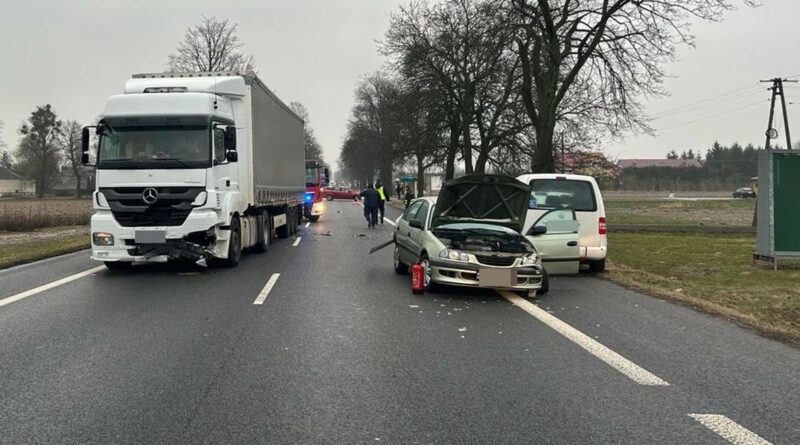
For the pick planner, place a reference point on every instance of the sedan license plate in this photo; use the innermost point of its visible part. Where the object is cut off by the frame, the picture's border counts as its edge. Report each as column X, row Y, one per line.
column 150, row 236
column 497, row 277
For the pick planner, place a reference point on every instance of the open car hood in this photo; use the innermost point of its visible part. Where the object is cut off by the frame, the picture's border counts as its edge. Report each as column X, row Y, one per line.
column 479, row 198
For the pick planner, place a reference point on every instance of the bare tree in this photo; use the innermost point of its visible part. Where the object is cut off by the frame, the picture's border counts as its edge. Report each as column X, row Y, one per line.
column 313, row 149
column 5, row 157
column 595, row 59
column 69, row 143
column 212, row 45
column 38, row 152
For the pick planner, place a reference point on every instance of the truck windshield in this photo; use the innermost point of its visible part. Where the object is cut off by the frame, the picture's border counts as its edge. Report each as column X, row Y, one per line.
column 312, row 176
column 158, row 146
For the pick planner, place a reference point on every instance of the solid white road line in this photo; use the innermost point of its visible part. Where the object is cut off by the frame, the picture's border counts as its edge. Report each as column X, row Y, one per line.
column 616, row 361
column 308, row 224
column 268, row 287
column 729, row 430
column 297, row 241
column 44, row 287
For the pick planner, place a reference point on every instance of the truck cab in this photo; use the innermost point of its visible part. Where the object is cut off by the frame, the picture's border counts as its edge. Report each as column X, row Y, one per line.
column 317, row 177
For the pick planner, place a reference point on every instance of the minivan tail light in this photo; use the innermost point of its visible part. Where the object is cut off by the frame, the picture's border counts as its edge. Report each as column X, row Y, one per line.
column 601, row 225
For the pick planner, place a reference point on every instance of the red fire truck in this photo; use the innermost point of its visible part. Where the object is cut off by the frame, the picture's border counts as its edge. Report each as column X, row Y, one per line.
column 317, row 177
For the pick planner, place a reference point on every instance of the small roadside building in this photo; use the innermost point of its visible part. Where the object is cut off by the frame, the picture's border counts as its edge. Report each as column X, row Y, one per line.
column 15, row 185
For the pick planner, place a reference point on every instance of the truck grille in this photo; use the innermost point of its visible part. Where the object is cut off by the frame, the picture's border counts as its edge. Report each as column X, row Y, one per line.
column 491, row 260
column 170, row 209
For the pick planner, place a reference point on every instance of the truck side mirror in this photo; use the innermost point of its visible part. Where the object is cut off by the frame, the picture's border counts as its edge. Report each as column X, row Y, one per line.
column 327, row 176
column 230, row 138
column 231, row 156
column 85, row 141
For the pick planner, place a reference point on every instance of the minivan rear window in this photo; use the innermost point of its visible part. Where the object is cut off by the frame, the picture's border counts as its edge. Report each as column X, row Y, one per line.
column 562, row 194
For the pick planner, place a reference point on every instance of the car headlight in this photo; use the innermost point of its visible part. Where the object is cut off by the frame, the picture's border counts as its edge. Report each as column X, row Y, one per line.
column 102, row 239
column 452, row 254
column 530, row 259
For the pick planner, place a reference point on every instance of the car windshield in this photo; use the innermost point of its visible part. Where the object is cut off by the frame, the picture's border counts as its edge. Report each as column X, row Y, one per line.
column 562, row 194
column 176, row 146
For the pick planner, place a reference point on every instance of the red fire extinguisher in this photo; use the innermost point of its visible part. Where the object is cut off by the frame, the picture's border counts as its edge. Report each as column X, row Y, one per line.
column 417, row 278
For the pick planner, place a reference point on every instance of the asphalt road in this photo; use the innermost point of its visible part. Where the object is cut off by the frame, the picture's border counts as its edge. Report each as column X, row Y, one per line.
column 340, row 351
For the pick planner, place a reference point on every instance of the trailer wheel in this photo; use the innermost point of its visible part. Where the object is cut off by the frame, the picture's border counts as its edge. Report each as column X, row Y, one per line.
column 234, row 244
column 295, row 217
column 262, row 246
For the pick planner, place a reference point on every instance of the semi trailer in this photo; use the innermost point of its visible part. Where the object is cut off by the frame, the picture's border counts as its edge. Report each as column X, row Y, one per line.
column 196, row 166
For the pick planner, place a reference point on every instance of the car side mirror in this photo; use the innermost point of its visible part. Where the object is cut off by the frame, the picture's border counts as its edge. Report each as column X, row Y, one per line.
column 230, row 138
column 231, row 156
column 538, row 230
column 415, row 223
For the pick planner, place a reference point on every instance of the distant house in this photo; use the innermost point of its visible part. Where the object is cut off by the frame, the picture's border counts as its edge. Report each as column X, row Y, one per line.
column 64, row 182
column 674, row 163
column 14, row 184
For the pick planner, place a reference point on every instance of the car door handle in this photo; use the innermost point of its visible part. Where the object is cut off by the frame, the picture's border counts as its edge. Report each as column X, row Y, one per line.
column 572, row 243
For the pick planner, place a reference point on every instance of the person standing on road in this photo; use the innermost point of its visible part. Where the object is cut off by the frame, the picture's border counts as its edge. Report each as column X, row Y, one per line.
column 382, row 204
column 409, row 196
column 371, row 200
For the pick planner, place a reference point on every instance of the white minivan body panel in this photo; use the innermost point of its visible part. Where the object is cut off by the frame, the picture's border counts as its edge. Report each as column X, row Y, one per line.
column 592, row 244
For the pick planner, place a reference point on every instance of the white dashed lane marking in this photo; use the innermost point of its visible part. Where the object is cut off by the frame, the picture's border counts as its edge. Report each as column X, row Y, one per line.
column 729, row 430
column 44, row 287
column 297, row 241
column 616, row 361
column 267, row 288
column 308, row 224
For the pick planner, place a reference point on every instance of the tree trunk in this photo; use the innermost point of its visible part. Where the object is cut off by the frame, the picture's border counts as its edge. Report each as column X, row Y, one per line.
column 77, row 183
column 543, row 160
column 483, row 158
column 452, row 149
column 467, row 143
column 420, row 176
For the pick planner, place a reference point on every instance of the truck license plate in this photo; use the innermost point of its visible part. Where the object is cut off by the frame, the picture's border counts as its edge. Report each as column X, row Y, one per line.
column 497, row 277
column 150, row 236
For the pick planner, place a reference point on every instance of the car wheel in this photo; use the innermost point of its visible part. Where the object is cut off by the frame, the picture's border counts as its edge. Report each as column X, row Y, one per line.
column 118, row 265
column 427, row 273
column 399, row 267
column 234, row 244
column 329, row 197
column 313, row 218
column 545, row 283
column 597, row 266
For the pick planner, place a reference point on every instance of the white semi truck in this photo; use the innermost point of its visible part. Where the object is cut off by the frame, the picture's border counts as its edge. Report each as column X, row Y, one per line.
column 194, row 166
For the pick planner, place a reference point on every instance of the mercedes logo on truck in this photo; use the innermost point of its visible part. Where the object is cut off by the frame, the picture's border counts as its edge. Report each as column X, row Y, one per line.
column 150, row 195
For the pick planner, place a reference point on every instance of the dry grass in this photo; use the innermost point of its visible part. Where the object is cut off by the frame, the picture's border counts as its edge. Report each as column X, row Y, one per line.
column 713, row 273
column 16, row 248
column 27, row 215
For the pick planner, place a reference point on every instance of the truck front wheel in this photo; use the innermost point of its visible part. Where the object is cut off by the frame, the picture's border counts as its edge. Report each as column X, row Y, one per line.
column 234, row 244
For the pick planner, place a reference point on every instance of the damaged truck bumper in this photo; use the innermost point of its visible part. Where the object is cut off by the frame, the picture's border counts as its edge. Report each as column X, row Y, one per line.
column 197, row 239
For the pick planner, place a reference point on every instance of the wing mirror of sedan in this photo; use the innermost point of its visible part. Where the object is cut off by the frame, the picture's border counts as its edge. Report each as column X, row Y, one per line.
column 415, row 223
column 538, row 230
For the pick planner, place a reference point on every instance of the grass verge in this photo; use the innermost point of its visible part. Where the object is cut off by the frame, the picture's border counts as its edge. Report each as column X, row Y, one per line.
column 711, row 272
column 13, row 254
column 731, row 212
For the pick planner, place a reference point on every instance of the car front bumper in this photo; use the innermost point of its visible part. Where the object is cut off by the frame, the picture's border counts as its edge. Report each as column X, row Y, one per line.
column 466, row 274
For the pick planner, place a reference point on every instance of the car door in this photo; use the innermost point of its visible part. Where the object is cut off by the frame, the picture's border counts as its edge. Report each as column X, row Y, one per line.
column 402, row 233
column 416, row 236
column 555, row 236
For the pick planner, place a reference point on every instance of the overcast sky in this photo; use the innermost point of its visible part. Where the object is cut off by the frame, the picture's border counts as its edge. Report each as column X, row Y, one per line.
column 74, row 54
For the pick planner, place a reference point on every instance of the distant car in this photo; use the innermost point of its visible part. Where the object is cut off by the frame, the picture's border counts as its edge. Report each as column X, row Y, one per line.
column 579, row 193
column 332, row 193
column 744, row 192
column 471, row 236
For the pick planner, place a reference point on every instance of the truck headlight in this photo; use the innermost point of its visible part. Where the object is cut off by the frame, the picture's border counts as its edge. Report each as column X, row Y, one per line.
column 200, row 200
column 102, row 239
column 452, row 254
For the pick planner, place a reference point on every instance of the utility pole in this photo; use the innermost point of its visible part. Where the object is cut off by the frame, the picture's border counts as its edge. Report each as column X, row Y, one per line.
column 777, row 90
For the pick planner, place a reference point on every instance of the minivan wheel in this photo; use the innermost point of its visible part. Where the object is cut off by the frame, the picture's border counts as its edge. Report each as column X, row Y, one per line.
column 597, row 266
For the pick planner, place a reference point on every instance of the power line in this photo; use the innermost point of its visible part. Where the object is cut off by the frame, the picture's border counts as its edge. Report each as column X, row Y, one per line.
column 712, row 116
column 716, row 103
column 718, row 96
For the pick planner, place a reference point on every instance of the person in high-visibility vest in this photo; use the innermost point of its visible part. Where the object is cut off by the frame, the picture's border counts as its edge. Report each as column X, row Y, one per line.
column 382, row 204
